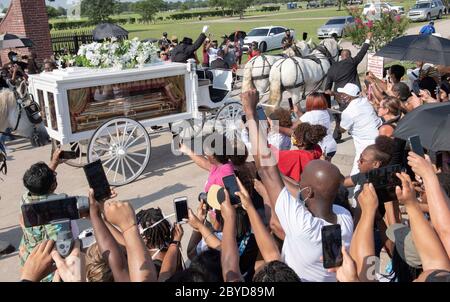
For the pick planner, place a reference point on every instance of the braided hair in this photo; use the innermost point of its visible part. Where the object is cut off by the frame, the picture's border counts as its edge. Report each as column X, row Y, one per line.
column 158, row 236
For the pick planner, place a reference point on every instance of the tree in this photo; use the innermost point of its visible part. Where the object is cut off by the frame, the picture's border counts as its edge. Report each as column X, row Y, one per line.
column 148, row 9
column 184, row 7
column 52, row 12
column 98, row 11
column 222, row 4
column 62, row 11
column 339, row 3
column 239, row 6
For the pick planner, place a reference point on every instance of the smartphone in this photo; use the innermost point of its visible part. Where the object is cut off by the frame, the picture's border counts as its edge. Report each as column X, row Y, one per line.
column 181, row 208
column 384, row 180
column 332, row 246
column 232, row 187
column 261, row 114
column 291, row 104
column 68, row 155
column 44, row 212
column 97, row 180
column 416, row 88
column 244, row 118
column 416, row 146
column 439, row 160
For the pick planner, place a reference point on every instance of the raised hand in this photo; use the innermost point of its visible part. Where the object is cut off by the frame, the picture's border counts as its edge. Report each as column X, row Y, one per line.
column 406, row 194
column 39, row 262
column 121, row 214
column 368, row 199
column 70, row 269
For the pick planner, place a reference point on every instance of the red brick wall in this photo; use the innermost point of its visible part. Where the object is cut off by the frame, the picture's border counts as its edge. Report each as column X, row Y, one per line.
column 28, row 18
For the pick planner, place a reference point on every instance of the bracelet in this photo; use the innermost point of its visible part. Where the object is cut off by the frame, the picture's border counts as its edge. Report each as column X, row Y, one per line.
column 176, row 242
column 123, row 232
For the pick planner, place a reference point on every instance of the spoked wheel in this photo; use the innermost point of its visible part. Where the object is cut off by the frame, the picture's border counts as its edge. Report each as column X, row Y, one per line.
column 187, row 129
column 124, row 147
column 228, row 119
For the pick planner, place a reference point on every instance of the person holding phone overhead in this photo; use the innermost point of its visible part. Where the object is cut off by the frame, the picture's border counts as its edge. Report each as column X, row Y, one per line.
column 40, row 182
column 301, row 218
column 215, row 160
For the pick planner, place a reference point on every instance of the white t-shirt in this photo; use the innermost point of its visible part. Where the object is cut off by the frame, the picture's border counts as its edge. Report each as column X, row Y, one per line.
column 360, row 120
column 302, row 247
column 321, row 117
column 212, row 53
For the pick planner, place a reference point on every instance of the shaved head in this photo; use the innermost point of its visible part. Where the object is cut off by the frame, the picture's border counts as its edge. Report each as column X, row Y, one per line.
column 324, row 178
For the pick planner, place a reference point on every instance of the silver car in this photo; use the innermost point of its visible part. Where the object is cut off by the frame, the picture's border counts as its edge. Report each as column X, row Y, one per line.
column 335, row 25
column 426, row 10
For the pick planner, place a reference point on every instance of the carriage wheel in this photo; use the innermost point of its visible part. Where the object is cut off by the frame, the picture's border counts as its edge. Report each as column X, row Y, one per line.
column 187, row 129
column 229, row 119
column 124, row 147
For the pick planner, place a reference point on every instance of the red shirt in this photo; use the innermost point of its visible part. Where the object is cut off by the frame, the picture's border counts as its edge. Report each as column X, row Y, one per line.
column 205, row 55
column 293, row 162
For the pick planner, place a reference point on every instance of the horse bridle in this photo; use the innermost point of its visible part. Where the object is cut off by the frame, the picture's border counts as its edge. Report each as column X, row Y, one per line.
column 324, row 50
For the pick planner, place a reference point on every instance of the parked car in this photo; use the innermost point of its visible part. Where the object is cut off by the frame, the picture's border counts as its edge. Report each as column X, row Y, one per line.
column 268, row 37
column 384, row 7
column 335, row 25
column 425, row 10
column 353, row 2
column 327, row 3
column 312, row 4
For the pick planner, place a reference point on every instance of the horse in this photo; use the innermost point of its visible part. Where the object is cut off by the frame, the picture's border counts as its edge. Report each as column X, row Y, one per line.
column 15, row 114
column 257, row 70
column 301, row 75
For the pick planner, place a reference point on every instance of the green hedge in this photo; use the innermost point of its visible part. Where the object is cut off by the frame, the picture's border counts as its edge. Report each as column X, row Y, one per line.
column 269, row 8
column 85, row 23
column 191, row 15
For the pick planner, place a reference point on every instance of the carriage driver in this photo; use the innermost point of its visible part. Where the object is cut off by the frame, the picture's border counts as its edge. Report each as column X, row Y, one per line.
column 287, row 40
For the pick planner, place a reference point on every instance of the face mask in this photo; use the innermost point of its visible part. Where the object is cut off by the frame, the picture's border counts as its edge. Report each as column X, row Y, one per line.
column 300, row 198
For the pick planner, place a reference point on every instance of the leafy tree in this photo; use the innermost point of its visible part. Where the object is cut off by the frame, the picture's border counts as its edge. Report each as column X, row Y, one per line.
column 239, row 6
column 98, row 11
column 52, row 12
column 62, row 11
column 148, row 9
column 184, row 7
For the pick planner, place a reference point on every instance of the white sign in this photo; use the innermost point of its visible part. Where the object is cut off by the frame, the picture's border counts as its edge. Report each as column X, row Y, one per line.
column 375, row 64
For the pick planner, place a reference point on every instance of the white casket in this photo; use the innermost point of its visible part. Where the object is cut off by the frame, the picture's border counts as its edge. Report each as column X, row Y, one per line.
column 76, row 101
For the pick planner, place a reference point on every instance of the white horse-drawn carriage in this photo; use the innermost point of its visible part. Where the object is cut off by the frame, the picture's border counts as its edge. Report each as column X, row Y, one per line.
column 105, row 113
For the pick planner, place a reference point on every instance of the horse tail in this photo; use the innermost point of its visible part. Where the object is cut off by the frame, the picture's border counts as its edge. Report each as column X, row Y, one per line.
column 275, row 85
column 247, row 82
column 7, row 101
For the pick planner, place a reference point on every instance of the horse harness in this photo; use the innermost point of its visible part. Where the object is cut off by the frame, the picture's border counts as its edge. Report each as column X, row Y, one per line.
column 328, row 56
column 262, row 76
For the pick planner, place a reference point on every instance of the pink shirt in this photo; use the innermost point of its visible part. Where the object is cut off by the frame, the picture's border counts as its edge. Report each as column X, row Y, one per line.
column 217, row 173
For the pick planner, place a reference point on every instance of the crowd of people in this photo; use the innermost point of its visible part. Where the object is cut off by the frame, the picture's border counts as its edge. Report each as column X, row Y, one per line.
column 289, row 190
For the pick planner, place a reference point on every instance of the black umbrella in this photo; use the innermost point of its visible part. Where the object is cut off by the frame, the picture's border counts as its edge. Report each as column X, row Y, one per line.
column 14, row 41
column 240, row 34
column 431, row 122
column 424, row 48
column 107, row 31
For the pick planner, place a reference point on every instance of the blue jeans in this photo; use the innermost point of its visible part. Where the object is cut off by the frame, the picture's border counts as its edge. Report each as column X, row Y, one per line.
column 5, row 137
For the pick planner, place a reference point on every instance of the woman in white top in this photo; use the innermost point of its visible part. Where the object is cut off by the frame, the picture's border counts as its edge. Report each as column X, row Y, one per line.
column 317, row 114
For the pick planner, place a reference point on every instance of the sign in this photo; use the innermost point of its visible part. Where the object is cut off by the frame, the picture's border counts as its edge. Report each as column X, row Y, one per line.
column 375, row 64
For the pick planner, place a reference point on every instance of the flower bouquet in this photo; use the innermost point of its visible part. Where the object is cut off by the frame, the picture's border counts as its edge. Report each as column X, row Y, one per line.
column 117, row 54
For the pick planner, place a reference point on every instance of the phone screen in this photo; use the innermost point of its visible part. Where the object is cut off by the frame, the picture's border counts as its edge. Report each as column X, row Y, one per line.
column 97, row 180
column 384, row 180
column 68, row 155
column 232, row 187
column 181, row 208
column 416, row 88
column 331, row 246
column 261, row 114
column 44, row 212
column 416, row 145
column 291, row 104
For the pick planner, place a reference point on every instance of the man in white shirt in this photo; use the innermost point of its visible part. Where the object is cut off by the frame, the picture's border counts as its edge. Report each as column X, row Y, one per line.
column 212, row 49
column 302, row 220
column 359, row 119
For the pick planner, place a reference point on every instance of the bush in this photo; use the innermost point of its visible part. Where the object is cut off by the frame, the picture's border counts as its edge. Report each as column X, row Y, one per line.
column 191, row 15
column 269, row 9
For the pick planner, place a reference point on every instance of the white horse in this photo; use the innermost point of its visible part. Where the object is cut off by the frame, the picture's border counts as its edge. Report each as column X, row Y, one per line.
column 301, row 76
column 14, row 116
column 257, row 70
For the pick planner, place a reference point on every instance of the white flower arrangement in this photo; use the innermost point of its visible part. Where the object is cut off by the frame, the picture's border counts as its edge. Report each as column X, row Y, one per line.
column 118, row 54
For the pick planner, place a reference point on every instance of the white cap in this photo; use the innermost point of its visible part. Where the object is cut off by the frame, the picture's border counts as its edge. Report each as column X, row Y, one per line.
column 349, row 89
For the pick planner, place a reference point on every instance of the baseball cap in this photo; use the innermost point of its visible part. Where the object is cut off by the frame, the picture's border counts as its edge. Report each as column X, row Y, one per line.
column 349, row 89
column 401, row 235
column 216, row 195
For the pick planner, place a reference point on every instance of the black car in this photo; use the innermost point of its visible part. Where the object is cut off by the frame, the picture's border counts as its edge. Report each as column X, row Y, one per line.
column 312, row 4
column 327, row 3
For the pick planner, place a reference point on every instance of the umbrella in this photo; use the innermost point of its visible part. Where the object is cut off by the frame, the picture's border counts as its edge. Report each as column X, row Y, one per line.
column 13, row 41
column 241, row 34
column 108, row 30
column 151, row 40
column 431, row 122
column 424, row 48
